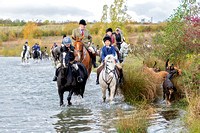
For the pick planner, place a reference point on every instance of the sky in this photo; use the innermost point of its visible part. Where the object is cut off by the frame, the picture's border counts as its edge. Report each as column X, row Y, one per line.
column 90, row 10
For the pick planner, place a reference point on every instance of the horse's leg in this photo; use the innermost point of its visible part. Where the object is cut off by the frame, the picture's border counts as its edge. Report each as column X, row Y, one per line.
column 69, row 97
column 60, row 92
column 112, row 93
column 104, row 94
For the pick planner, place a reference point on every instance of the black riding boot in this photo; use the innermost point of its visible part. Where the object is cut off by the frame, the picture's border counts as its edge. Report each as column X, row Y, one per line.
column 56, row 74
column 24, row 53
column 121, row 80
column 79, row 79
column 97, row 81
column 94, row 60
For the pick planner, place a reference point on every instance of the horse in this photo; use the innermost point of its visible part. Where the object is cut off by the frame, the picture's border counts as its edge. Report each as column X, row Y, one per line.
column 66, row 80
column 123, row 52
column 55, row 54
column 26, row 56
column 108, row 78
column 36, row 55
column 83, row 53
column 44, row 55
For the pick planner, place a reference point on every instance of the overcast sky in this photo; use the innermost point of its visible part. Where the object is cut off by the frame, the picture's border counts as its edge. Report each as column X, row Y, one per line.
column 74, row 10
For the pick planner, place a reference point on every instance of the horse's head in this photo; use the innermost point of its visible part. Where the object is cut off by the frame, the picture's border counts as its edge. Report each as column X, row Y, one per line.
column 65, row 60
column 110, row 61
column 124, row 49
column 78, row 45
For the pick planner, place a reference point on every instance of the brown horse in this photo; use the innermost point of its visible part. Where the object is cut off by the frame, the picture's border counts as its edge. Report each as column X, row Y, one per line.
column 83, row 54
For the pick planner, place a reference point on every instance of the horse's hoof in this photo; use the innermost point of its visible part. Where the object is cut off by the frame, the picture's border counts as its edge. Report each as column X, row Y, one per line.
column 168, row 102
column 69, row 104
column 112, row 102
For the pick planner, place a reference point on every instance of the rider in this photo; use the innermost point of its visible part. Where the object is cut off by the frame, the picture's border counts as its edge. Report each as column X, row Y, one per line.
column 25, row 48
column 107, row 50
column 113, row 39
column 66, row 46
column 79, row 32
column 54, row 45
column 122, row 33
column 38, row 48
column 118, row 38
column 34, row 47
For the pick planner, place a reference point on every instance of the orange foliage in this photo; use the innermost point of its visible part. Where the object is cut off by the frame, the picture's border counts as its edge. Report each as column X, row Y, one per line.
column 29, row 30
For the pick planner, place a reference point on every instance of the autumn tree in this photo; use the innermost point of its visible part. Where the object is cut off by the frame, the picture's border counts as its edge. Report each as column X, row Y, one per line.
column 29, row 29
column 116, row 14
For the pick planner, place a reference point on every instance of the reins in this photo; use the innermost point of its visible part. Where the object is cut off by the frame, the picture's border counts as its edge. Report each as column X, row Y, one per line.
column 106, row 75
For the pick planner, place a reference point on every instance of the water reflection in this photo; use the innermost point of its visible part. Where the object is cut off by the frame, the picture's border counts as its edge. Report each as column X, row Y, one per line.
column 170, row 114
column 73, row 119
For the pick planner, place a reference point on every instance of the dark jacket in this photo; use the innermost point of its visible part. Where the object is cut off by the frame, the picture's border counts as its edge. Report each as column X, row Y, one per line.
column 107, row 51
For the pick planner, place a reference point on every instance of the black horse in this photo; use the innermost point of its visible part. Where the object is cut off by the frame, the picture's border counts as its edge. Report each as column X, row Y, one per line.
column 36, row 54
column 67, row 78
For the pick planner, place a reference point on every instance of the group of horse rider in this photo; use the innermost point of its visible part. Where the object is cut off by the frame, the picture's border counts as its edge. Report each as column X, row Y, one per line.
column 112, row 42
column 109, row 48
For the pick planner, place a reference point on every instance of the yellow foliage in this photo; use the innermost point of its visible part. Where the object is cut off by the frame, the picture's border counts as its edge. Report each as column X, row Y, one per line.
column 69, row 27
column 29, row 30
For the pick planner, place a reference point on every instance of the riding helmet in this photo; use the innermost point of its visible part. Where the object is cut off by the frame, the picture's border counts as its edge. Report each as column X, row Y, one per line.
column 26, row 42
column 82, row 21
column 67, row 40
column 107, row 37
column 109, row 29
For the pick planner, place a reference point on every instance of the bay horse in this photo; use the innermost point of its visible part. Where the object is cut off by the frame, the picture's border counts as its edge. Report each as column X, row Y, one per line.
column 67, row 79
column 83, row 54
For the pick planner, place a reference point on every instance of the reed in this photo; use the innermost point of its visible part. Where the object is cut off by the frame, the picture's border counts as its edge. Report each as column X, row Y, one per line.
column 137, row 122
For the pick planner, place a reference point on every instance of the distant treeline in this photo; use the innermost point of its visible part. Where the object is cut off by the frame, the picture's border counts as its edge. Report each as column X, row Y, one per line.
column 8, row 22
column 12, row 33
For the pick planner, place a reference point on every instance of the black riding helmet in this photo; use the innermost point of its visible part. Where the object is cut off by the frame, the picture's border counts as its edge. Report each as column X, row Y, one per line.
column 109, row 29
column 82, row 21
column 107, row 37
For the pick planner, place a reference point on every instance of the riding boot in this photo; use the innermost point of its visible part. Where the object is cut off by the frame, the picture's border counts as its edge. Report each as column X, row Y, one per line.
column 97, row 81
column 24, row 54
column 79, row 79
column 56, row 74
column 94, row 60
column 121, row 80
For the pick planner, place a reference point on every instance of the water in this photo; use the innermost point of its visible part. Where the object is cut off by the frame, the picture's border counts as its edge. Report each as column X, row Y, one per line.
column 29, row 102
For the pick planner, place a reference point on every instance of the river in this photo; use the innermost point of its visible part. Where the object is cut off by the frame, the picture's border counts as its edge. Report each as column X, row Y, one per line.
column 29, row 102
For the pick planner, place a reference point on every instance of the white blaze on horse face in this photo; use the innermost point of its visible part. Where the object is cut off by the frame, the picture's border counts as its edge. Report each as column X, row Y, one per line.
column 79, row 53
column 64, row 55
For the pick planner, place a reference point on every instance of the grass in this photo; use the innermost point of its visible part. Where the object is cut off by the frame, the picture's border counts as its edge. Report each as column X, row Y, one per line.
column 137, row 122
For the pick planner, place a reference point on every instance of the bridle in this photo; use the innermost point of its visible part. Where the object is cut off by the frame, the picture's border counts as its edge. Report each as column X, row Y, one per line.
column 83, row 51
column 107, row 72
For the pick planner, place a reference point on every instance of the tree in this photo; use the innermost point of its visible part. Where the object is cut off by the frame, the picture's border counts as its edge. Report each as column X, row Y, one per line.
column 29, row 30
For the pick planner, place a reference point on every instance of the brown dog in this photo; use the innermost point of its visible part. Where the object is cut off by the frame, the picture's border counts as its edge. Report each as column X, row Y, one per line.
column 158, row 76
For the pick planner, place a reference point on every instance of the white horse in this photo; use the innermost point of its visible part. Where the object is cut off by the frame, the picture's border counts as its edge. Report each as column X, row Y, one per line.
column 108, row 78
column 26, row 56
column 124, row 51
